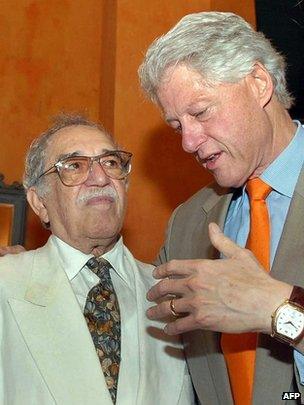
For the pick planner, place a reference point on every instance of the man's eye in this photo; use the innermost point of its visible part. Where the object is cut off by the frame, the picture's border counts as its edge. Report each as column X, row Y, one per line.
column 203, row 114
column 112, row 162
column 200, row 114
column 178, row 130
column 72, row 166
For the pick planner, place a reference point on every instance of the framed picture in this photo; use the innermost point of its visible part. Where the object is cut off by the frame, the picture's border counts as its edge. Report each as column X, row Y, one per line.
column 13, row 207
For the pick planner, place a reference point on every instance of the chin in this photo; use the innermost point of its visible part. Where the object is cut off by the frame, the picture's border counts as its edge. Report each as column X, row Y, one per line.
column 104, row 231
column 229, row 177
column 228, row 183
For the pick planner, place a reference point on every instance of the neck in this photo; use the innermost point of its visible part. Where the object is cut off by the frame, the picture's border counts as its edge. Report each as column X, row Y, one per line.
column 283, row 127
column 99, row 250
column 97, row 247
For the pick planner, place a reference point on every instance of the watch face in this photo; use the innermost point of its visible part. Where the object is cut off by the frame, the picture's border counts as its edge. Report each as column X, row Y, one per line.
column 290, row 321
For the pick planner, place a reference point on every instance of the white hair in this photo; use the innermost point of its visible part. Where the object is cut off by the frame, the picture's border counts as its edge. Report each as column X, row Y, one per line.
column 222, row 47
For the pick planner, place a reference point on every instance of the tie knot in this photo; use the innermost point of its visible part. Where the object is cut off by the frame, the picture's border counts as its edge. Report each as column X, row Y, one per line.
column 98, row 265
column 257, row 189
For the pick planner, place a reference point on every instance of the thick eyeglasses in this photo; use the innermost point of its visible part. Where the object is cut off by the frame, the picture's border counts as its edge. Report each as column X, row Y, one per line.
column 74, row 170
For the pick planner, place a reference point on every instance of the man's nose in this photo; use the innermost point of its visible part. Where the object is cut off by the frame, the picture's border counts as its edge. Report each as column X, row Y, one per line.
column 97, row 175
column 192, row 138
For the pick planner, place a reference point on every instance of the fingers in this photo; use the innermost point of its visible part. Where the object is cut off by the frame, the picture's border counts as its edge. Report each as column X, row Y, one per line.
column 4, row 250
column 166, row 287
column 177, row 277
column 163, row 310
column 159, row 311
column 179, row 268
column 222, row 243
column 17, row 249
column 180, row 325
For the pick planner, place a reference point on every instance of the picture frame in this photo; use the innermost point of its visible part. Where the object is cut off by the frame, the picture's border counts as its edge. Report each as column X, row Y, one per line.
column 13, row 207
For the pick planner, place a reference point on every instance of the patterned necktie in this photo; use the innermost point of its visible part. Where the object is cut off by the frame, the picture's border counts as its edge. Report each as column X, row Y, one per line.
column 103, row 319
column 239, row 349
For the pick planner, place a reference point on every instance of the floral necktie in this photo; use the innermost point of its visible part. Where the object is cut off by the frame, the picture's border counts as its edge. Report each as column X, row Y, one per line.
column 103, row 319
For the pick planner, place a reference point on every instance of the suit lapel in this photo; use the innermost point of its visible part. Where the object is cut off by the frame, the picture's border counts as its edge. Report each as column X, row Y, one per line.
column 204, row 347
column 213, row 208
column 286, row 267
column 56, row 334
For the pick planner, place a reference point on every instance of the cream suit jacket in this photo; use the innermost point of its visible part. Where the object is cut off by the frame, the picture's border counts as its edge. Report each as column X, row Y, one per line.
column 187, row 238
column 47, row 354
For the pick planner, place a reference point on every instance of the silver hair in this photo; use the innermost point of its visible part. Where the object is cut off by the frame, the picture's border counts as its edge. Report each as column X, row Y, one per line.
column 222, row 47
column 36, row 156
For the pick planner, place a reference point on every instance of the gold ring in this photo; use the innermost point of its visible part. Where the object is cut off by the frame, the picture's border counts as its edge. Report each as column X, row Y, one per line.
column 172, row 308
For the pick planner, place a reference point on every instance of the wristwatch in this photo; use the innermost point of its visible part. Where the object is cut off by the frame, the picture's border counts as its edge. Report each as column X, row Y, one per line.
column 288, row 319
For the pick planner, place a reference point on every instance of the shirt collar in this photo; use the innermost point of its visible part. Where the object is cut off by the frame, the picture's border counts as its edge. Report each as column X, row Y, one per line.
column 74, row 260
column 116, row 258
column 282, row 174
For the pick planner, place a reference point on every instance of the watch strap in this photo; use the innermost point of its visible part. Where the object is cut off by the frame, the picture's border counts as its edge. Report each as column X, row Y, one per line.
column 297, row 296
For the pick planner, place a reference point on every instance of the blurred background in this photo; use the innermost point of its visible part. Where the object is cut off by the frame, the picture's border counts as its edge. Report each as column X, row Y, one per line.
column 83, row 55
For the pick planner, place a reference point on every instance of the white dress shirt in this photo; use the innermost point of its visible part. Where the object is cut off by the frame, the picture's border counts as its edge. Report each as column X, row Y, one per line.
column 82, row 279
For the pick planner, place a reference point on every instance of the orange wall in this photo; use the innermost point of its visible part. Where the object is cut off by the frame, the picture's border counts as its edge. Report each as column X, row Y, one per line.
column 83, row 55
column 50, row 61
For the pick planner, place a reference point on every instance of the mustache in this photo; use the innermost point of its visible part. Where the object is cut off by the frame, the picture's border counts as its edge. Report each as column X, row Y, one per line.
column 107, row 191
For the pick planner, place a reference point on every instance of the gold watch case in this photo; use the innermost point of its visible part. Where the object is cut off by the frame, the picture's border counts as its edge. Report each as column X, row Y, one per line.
column 288, row 323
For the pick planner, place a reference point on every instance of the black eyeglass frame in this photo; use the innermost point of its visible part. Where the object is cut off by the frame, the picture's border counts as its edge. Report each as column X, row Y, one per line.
column 58, row 165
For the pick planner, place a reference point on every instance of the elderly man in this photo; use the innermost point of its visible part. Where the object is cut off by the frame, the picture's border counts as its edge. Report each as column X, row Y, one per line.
column 73, row 325
column 221, row 86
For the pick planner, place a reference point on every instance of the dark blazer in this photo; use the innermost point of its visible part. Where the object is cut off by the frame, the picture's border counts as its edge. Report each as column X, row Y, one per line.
column 187, row 238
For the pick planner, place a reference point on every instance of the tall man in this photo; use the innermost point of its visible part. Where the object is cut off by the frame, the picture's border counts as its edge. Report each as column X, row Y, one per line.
column 83, row 288
column 221, row 86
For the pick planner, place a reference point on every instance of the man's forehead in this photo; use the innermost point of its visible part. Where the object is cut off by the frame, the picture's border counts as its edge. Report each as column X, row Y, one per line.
column 80, row 139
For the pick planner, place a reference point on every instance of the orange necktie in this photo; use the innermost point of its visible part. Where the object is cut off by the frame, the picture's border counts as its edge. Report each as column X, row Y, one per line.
column 239, row 349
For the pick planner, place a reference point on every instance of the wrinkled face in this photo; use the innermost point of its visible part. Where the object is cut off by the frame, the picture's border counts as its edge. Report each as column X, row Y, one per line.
column 224, row 125
column 91, row 213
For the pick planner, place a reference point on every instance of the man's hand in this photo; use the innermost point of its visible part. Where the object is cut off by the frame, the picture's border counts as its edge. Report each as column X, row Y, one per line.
column 4, row 250
column 232, row 295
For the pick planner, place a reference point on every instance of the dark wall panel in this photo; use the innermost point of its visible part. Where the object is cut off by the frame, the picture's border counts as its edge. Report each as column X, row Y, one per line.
column 282, row 21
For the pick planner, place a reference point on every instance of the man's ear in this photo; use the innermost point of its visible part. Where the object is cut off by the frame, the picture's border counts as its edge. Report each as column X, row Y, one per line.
column 262, row 82
column 37, row 204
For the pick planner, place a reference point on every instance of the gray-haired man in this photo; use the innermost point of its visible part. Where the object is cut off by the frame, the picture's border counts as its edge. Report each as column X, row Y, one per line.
column 73, row 328
column 221, row 86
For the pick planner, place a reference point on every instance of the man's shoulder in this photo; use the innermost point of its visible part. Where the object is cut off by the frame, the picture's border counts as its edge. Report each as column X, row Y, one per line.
column 15, row 271
column 11, row 261
column 16, row 267
column 206, row 198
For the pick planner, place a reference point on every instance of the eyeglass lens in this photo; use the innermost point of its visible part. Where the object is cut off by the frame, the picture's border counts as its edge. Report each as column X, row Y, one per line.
column 74, row 170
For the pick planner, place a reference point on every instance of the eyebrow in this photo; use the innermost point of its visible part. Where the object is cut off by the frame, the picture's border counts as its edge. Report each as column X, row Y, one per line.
column 67, row 155
column 192, row 105
column 79, row 153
